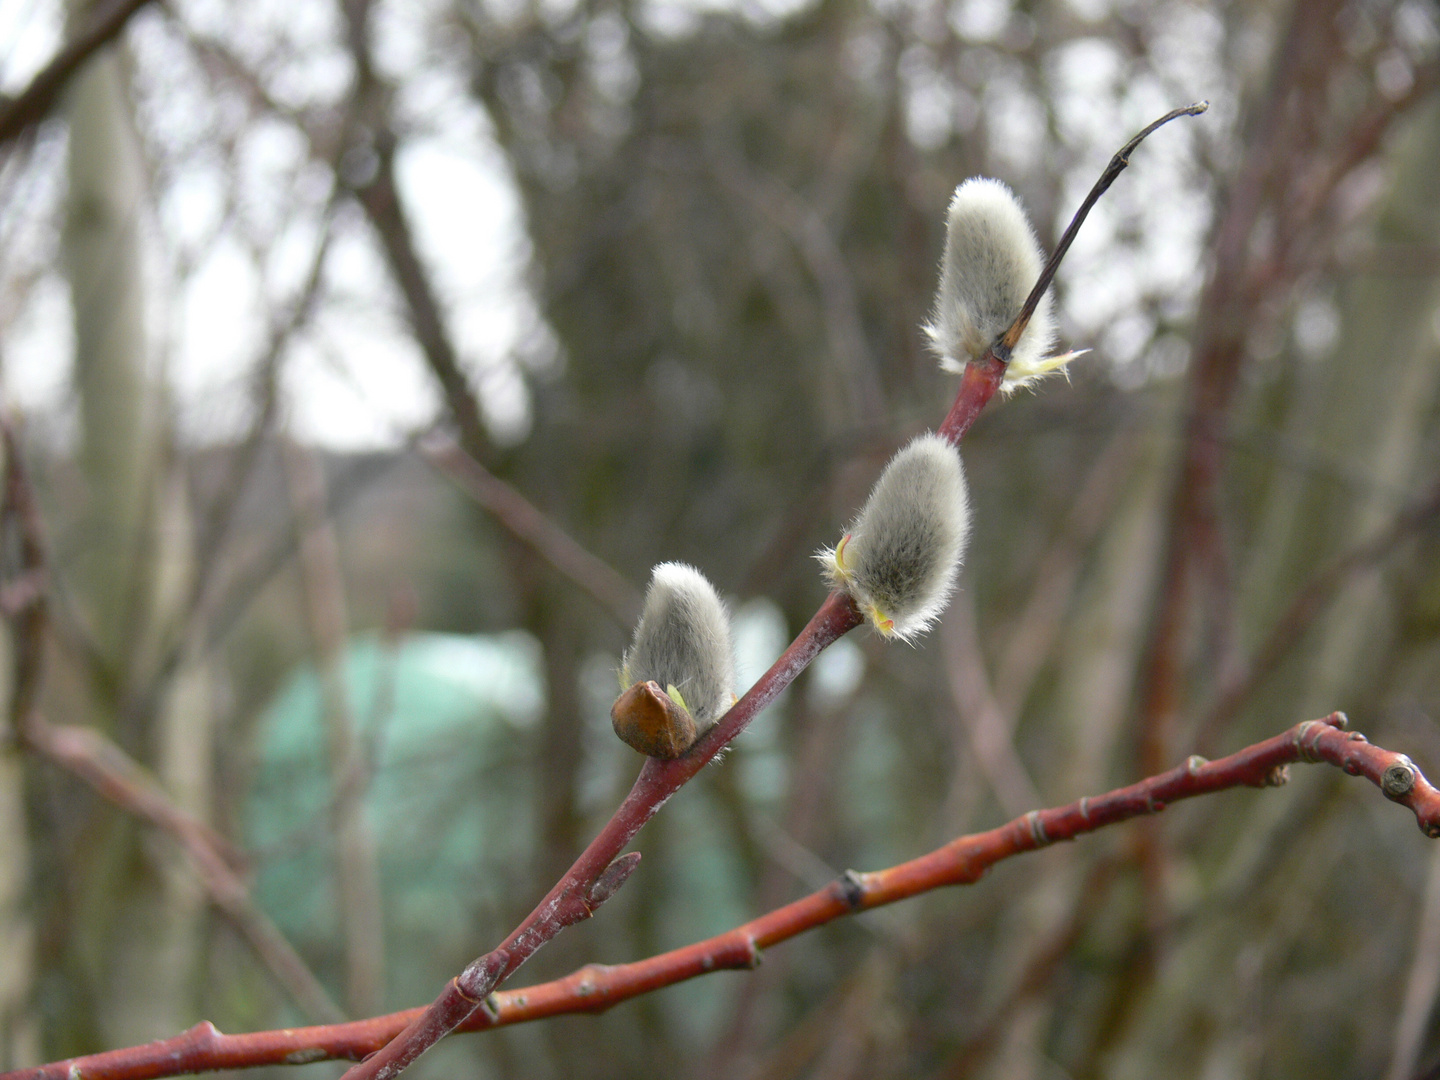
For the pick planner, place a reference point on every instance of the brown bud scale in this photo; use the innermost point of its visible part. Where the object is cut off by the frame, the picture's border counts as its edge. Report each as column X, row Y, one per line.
column 647, row 719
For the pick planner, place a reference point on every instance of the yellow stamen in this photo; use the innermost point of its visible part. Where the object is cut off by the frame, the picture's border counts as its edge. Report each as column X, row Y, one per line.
column 882, row 623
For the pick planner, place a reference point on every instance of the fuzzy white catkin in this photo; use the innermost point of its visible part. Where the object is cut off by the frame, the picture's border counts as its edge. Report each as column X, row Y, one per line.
column 683, row 641
column 992, row 261
column 900, row 557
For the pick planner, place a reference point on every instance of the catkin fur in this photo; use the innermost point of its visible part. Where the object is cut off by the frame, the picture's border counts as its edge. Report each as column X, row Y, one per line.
column 683, row 640
column 900, row 557
column 992, row 261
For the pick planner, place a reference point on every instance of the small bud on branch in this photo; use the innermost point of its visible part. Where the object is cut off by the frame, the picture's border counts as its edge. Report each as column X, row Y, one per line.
column 679, row 673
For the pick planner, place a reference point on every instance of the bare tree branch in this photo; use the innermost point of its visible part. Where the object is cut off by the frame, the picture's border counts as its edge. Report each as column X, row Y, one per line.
column 29, row 107
column 964, row 861
column 118, row 778
column 527, row 522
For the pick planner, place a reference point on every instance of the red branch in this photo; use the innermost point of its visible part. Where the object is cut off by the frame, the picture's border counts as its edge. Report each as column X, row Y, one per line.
column 600, row 870
column 597, row 987
column 596, row 874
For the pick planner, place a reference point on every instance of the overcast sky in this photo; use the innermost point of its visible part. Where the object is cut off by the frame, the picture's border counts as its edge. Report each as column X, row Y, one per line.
column 353, row 378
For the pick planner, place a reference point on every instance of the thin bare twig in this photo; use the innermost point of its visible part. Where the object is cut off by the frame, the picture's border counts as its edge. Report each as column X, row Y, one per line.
column 1038, row 625
column 530, row 525
column 357, row 873
column 964, row 861
column 115, row 776
column 85, row 753
column 1309, row 603
column 1036, row 974
column 1424, row 981
column 989, row 727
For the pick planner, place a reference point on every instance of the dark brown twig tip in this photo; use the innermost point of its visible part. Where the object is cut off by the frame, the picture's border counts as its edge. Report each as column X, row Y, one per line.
column 1115, row 168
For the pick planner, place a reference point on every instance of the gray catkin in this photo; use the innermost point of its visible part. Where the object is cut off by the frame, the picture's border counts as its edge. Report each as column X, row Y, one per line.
column 901, row 555
column 992, row 261
column 683, row 640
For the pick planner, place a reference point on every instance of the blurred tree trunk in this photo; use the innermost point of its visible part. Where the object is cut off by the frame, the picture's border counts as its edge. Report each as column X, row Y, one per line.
column 19, row 1033
column 140, row 910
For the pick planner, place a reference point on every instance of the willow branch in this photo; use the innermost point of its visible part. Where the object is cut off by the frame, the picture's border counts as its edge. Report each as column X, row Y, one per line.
column 598, row 871
column 964, row 861
column 982, row 378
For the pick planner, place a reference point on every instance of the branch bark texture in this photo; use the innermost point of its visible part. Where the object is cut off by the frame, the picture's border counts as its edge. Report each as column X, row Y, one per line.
column 964, row 861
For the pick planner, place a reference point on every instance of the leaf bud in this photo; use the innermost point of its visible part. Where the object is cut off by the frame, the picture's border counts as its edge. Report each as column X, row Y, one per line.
column 899, row 559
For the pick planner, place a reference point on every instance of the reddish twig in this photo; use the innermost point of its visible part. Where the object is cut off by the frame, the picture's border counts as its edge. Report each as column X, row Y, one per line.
column 597, row 872
column 597, row 987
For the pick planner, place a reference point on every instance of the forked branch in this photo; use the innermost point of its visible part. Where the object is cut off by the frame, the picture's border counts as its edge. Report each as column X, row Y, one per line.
column 597, row 987
column 572, row 897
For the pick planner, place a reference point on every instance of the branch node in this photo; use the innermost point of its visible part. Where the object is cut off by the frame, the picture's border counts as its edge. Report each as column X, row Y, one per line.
column 1398, row 778
column 1278, row 775
column 1304, row 744
column 754, row 955
column 1357, row 736
column 1085, row 809
column 1037, row 829
column 1338, row 719
column 307, row 1055
column 1194, row 763
column 852, row 889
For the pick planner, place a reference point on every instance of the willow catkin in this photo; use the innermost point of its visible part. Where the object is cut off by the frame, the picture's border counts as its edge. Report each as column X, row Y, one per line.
column 682, row 643
column 900, row 557
column 992, row 261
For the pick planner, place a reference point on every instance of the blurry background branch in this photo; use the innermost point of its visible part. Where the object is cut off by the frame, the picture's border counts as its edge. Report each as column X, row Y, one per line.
column 96, row 761
column 100, row 26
